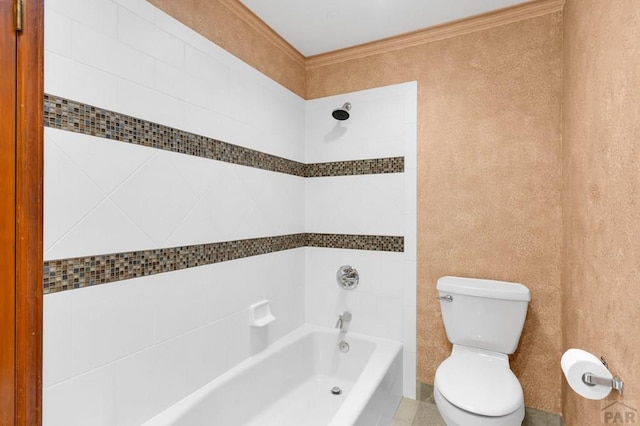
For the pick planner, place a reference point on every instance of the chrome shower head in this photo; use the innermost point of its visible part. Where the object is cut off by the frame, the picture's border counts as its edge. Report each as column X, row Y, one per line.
column 343, row 112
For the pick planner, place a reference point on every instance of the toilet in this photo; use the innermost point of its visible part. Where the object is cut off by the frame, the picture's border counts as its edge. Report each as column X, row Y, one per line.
column 484, row 320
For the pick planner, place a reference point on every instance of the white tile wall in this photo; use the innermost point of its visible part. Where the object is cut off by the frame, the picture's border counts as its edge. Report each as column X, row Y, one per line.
column 118, row 353
column 149, row 39
column 368, row 204
column 92, row 231
column 141, row 8
column 104, row 52
column 375, row 128
column 56, row 324
column 104, row 196
column 156, row 197
column 128, row 56
column 409, row 360
column 376, row 304
column 382, row 124
column 61, row 178
column 58, row 38
column 181, row 302
column 128, row 349
column 105, row 162
column 110, row 322
column 81, row 83
column 150, row 380
column 98, row 14
column 410, row 242
column 152, row 340
column 88, row 399
column 143, row 102
column 180, row 31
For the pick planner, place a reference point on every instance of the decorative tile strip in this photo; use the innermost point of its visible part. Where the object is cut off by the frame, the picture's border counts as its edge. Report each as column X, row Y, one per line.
column 68, row 274
column 356, row 167
column 357, row 242
column 77, row 117
column 65, row 114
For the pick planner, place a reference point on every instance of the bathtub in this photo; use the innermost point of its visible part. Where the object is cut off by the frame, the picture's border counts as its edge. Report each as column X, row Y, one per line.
column 290, row 382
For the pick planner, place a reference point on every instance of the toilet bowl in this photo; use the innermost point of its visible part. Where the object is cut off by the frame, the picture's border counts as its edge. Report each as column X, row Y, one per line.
column 484, row 320
column 476, row 387
column 453, row 415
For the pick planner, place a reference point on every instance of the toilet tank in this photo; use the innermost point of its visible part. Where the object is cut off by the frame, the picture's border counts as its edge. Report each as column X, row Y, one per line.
column 484, row 314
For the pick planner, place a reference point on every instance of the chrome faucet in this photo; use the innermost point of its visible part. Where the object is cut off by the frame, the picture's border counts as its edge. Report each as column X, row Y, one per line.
column 342, row 319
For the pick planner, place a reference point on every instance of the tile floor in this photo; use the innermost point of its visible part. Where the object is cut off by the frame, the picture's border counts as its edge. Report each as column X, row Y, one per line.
column 425, row 413
column 417, row 413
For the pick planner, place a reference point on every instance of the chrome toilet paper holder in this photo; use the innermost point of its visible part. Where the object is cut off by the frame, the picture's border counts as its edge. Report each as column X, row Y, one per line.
column 616, row 382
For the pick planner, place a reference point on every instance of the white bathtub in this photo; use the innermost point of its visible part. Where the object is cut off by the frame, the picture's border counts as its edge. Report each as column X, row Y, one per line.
column 290, row 382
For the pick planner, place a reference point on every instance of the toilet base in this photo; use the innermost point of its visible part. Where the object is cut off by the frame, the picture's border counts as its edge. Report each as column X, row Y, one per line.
column 454, row 416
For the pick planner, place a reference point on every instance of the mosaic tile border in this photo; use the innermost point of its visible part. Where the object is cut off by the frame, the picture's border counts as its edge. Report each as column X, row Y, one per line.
column 73, row 116
column 65, row 114
column 357, row 242
column 68, row 274
column 356, row 167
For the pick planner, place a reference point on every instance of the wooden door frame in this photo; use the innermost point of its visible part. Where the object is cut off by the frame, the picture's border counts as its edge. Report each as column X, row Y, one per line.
column 8, row 46
column 28, row 175
column 29, row 215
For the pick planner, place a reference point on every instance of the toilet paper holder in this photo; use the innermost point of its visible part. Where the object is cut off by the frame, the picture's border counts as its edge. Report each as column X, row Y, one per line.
column 591, row 380
column 616, row 382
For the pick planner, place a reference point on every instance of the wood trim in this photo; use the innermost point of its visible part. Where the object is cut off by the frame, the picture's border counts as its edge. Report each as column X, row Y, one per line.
column 7, row 213
column 460, row 27
column 29, row 208
column 242, row 12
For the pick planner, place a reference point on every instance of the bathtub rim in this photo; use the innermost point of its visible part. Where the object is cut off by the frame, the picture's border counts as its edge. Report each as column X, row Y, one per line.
column 377, row 366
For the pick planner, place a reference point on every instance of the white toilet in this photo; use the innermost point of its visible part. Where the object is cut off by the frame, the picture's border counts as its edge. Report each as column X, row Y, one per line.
column 483, row 320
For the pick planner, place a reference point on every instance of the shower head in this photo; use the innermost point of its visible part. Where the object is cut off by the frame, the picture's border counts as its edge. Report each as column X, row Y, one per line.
column 342, row 113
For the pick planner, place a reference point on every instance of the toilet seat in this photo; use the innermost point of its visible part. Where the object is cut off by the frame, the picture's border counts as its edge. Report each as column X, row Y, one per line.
column 480, row 383
column 454, row 416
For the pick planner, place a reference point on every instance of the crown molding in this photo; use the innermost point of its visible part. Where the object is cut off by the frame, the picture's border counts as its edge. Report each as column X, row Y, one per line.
column 250, row 18
column 460, row 27
column 519, row 12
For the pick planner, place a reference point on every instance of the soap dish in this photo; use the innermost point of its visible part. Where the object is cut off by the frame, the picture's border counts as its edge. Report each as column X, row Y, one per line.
column 261, row 314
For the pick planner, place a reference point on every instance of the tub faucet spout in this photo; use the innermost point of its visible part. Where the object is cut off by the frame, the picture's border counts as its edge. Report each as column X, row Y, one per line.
column 342, row 319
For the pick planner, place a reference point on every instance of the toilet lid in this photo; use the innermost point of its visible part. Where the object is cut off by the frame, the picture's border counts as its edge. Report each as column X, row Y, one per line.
column 479, row 384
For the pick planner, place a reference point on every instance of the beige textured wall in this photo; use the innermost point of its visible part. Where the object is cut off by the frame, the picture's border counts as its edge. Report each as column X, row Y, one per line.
column 489, row 176
column 601, row 144
column 217, row 23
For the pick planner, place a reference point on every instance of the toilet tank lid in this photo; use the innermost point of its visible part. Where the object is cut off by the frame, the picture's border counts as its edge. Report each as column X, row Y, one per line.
column 484, row 288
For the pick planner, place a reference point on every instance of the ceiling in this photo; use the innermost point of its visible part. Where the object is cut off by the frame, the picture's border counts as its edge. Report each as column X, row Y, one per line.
column 314, row 27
